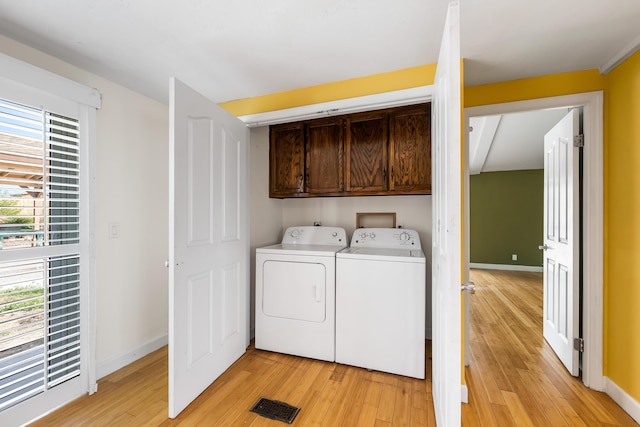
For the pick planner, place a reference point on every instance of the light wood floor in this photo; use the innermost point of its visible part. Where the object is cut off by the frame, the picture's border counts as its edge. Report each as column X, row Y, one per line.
column 514, row 380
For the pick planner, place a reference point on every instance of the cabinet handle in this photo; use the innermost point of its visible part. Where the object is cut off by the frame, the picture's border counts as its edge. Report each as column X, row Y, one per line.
column 384, row 173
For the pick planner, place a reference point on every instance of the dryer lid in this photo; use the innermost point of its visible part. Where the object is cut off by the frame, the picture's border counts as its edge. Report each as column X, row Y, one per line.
column 301, row 250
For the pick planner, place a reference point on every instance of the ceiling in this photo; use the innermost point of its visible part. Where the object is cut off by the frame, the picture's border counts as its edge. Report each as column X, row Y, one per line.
column 510, row 141
column 244, row 48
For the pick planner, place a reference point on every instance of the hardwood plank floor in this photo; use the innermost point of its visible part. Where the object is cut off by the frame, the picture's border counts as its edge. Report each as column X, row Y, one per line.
column 514, row 380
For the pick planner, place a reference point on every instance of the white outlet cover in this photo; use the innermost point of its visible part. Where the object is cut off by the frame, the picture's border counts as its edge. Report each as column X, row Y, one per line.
column 114, row 230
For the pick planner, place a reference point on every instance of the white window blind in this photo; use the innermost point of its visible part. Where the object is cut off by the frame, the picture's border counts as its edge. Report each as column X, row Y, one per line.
column 39, row 211
column 39, row 177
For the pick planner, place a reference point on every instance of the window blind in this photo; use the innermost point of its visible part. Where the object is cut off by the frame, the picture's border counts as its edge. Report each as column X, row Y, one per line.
column 39, row 209
column 39, row 177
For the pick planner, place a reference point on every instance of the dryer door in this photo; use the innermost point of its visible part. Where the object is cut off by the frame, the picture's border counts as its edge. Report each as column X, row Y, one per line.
column 294, row 290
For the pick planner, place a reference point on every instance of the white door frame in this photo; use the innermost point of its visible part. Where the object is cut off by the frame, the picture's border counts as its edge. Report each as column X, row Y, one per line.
column 593, row 203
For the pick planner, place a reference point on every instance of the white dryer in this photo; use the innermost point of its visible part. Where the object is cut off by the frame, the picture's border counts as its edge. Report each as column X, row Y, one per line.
column 380, row 302
column 295, row 292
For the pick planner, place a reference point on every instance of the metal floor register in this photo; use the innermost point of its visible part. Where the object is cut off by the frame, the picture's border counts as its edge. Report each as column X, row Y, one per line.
column 275, row 410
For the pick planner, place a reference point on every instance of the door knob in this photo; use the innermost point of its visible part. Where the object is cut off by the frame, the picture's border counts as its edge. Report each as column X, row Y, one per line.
column 543, row 247
column 471, row 287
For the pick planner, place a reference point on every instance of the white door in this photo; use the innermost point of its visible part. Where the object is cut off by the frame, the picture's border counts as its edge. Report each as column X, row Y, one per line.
column 446, row 228
column 560, row 260
column 208, row 244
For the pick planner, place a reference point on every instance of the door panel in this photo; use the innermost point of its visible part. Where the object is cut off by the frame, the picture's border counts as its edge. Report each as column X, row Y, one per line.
column 410, row 149
column 324, row 161
column 561, row 287
column 200, row 298
column 446, row 227
column 231, row 153
column 286, row 159
column 208, row 244
column 366, row 152
column 232, row 303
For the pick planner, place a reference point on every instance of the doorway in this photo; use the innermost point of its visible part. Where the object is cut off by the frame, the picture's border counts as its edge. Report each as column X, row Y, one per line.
column 592, row 221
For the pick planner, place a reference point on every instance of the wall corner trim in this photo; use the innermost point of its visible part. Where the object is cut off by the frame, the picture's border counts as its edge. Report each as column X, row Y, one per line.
column 117, row 362
column 620, row 56
column 622, row 398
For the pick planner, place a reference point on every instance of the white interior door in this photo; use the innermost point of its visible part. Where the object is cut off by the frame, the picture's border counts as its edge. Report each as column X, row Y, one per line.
column 208, row 244
column 446, row 228
column 560, row 260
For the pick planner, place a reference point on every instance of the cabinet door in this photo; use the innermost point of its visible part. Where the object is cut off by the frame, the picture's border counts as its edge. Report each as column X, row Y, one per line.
column 366, row 152
column 410, row 150
column 324, row 161
column 286, row 160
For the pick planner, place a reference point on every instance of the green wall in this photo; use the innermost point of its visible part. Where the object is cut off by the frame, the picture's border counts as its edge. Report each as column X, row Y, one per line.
column 506, row 217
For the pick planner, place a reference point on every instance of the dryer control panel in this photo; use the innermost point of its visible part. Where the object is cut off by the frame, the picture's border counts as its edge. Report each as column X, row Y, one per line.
column 315, row 235
column 385, row 238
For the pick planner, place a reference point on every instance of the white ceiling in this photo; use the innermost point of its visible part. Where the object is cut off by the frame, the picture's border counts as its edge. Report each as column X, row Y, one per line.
column 510, row 141
column 243, row 48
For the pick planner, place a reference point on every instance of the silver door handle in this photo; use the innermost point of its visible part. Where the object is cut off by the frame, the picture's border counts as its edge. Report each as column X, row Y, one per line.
column 544, row 247
column 166, row 263
column 471, row 287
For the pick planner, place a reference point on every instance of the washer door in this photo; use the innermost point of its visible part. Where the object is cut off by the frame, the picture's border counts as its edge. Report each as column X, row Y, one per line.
column 294, row 290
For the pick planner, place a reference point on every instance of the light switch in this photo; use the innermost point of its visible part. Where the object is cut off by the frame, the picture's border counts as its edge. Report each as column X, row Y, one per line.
column 114, row 230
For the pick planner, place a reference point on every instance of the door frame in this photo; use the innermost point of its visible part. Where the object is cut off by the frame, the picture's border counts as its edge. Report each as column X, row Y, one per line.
column 593, row 218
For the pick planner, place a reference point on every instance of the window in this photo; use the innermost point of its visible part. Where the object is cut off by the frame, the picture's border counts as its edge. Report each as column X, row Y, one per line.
column 47, row 287
column 39, row 207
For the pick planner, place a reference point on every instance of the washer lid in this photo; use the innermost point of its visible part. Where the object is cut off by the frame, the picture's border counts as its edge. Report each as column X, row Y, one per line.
column 383, row 254
column 301, row 250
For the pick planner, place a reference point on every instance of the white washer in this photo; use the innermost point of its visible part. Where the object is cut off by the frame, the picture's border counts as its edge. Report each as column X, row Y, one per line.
column 295, row 292
column 380, row 302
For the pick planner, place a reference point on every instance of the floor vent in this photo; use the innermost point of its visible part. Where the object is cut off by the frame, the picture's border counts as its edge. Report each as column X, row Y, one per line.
column 275, row 410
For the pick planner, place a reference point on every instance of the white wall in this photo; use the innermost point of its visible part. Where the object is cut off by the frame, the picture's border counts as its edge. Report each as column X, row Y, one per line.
column 132, row 190
column 269, row 217
column 265, row 213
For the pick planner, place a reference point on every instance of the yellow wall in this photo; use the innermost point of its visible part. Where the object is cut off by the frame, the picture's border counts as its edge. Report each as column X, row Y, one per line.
column 622, row 226
column 621, row 186
column 621, row 199
column 533, row 88
column 379, row 83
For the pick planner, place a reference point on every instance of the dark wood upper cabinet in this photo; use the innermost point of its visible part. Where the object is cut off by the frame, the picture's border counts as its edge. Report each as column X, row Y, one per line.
column 410, row 149
column 324, row 149
column 366, row 152
column 381, row 152
column 286, row 160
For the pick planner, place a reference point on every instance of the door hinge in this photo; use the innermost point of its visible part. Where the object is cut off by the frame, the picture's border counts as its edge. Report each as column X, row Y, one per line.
column 578, row 141
column 578, row 344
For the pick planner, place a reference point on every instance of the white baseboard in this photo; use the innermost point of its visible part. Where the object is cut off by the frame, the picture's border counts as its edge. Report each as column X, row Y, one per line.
column 511, row 267
column 626, row 402
column 464, row 393
column 109, row 366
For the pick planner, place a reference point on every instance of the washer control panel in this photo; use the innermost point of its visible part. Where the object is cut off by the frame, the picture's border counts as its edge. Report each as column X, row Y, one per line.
column 315, row 235
column 386, row 238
